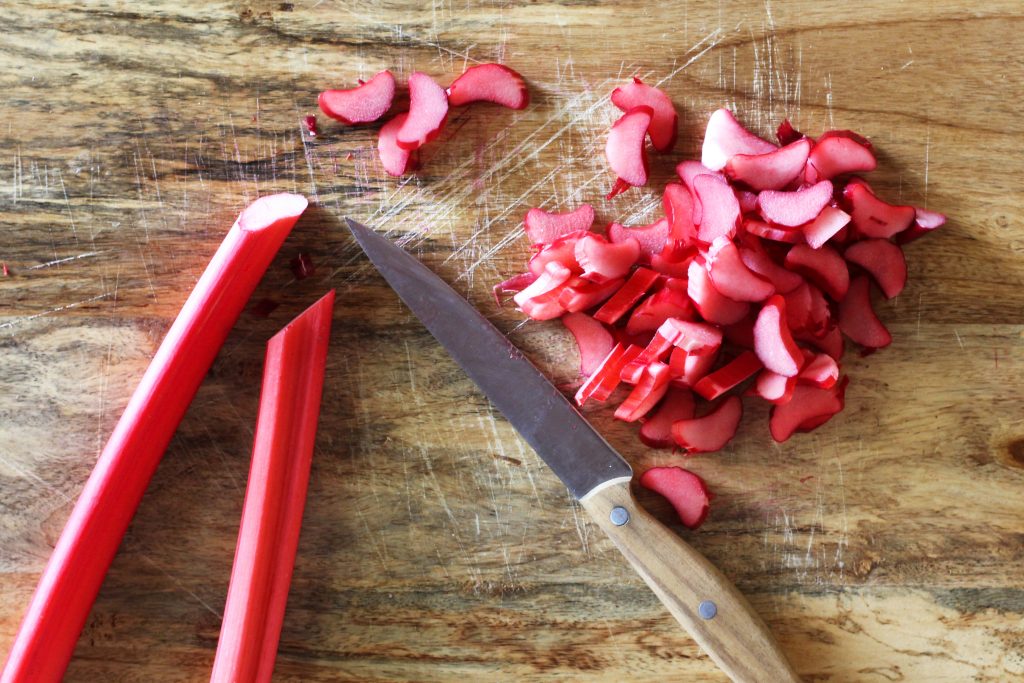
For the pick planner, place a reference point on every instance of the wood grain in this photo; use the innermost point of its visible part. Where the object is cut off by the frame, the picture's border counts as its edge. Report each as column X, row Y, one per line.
column 886, row 546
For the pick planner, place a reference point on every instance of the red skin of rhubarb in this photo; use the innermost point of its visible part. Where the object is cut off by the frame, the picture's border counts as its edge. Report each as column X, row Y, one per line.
column 683, row 489
column 687, row 171
column 668, row 302
column 664, row 123
column 649, row 389
column 364, row 104
column 775, row 388
column 730, row 275
column 602, row 260
column 824, row 267
column 678, row 404
column 543, row 227
column 489, row 83
column 636, row 286
column 810, row 407
column 679, row 204
column 787, row 134
column 857, row 318
column 580, row 295
column 712, row 431
column 268, row 537
column 651, row 237
column 562, row 250
column 86, row 547
column 625, row 149
column 924, row 222
column 883, row 260
column 728, row 376
column 592, row 339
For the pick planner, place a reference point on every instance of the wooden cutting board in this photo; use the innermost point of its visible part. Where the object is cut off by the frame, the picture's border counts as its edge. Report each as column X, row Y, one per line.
column 885, row 546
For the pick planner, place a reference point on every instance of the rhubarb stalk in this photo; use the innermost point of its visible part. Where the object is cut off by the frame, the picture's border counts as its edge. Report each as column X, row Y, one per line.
column 268, row 537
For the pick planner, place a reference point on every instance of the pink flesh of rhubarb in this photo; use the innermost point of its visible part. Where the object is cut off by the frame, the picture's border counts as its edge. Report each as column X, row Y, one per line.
column 602, row 260
column 645, row 395
column 857, row 318
column 678, row 404
column 364, row 104
column 428, row 111
column 873, row 217
column 772, row 340
column 664, row 123
column 683, row 489
column 625, row 148
column 720, row 210
column 394, row 159
column 731, row 277
column 651, row 237
column 792, row 209
column 712, row 305
column 489, row 83
column 725, row 137
column 543, row 227
column 711, row 432
column 827, row 223
column 773, row 387
column 771, row 171
column 810, row 405
column 883, row 260
column 592, row 339
column 836, row 153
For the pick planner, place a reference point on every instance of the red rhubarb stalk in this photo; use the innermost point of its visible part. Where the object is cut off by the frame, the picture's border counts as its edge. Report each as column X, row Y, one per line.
column 293, row 378
column 86, row 547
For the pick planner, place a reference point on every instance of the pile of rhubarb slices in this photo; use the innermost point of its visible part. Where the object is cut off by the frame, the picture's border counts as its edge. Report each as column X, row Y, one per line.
column 765, row 259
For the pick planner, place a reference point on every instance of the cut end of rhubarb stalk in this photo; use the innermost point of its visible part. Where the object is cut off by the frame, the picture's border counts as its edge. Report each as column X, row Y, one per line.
column 394, row 159
column 272, row 211
column 683, row 489
column 543, row 227
column 625, row 148
column 592, row 339
column 428, row 111
column 725, row 137
column 773, row 342
column 665, row 121
column 711, row 432
column 795, row 208
column 364, row 104
column 489, row 83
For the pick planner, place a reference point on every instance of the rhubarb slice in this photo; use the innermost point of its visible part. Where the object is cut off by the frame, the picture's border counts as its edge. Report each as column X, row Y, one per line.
column 516, row 283
column 554, row 275
column 712, row 305
column 687, row 171
column 772, row 340
column 678, row 404
column 636, row 286
column 363, row 104
column 645, row 395
column 679, row 204
column 489, row 83
column 544, row 228
column 625, row 148
column 275, row 496
column 838, row 152
column 725, row 137
column 857, row 318
column 924, row 222
column 825, row 226
column 884, row 261
column 774, row 388
column 428, row 112
column 773, row 232
column 687, row 368
column 728, row 376
column 787, row 134
column 664, row 120
column 580, row 295
column 562, row 251
column 670, row 301
column 593, row 341
column 650, row 237
column 820, row 370
column 760, row 262
column 606, row 376
column 772, row 171
column 823, row 266
column 394, row 159
column 730, row 275
column 86, row 547
column 873, row 217
column 810, row 407
column 683, row 489
column 720, row 210
column 795, row 208
column 602, row 260
column 711, row 432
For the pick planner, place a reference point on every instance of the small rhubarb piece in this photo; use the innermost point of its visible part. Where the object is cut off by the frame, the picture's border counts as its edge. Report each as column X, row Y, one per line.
column 772, row 171
column 725, row 137
column 648, row 391
column 544, row 228
column 809, row 407
column 787, row 134
column 924, row 222
column 562, row 250
column 428, row 112
column 821, row 370
column 792, row 209
column 825, row 226
column 771, row 232
column 602, row 260
column 625, row 148
column 671, row 267
column 774, row 388
column 687, row 171
column 363, row 104
column 310, row 122
column 594, row 342
column 823, row 266
column 760, row 262
column 871, row 216
column 650, row 237
column 720, row 210
column 772, row 340
column 87, row 545
column 883, row 260
column 837, row 152
column 636, row 286
column 712, row 431
column 688, row 369
column 605, row 377
column 728, row 376
column 671, row 301
column 712, row 305
column 730, row 275
column 489, row 83
column 830, row 342
column 268, row 537
column 394, row 159
column 581, row 295
column 678, row 404
column 514, row 284
column 302, row 266
column 857, row 318
column 683, row 489
column 678, row 204
column 664, row 120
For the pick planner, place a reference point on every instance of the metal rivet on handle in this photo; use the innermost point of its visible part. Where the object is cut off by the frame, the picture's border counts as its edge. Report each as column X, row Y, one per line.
column 619, row 515
column 707, row 609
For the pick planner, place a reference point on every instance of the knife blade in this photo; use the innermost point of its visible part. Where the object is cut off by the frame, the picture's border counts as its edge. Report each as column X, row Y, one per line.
column 699, row 596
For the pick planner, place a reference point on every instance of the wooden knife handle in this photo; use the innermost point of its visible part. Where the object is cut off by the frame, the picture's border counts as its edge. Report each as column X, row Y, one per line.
column 699, row 596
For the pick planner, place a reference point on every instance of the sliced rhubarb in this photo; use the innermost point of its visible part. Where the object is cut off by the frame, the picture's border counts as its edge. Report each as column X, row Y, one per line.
column 656, row 430
column 667, row 302
column 747, row 200
column 604, row 374
column 774, row 388
column 678, row 204
column 712, row 305
column 857, row 318
column 924, row 222
column 489, row 83
column 840, row 151
column 671, row 267
column 428, row 111
column 824, row 267
column 730, row 275
column 795, row 208
column 268, row 537
column 871, row 216
column 810, row 407
column 773, row 232
column 554, row 275
column 712, row 431
column 720, row 210
column 544, row 228
column 695, row 339
column 516, row 283
column 650, row 237
column 602, row 260
column 687, row 171
column 741, row 333
column 725, row 137
column 393, row 158
column 787, row 134
column 543, row 307
column 772, row 171
column 645, row 395
column 636, row 286
column 830, row 342
column 883, row 260
column 363, row 104
column 580, row 295
column 687, row 368
column 592, row 339
column 562, row 250
column 625, row 148
column 728, row 376
column 87, row 545
column 664, row 121
column 683, row 489
column 825, row 226
column 821, row 370
column 760, row 262
column 772, row 340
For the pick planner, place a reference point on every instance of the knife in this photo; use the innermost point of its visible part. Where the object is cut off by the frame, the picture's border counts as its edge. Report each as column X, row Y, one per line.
column 698, row 595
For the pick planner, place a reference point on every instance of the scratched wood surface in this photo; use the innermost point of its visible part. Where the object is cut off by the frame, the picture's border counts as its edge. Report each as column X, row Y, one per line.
column 885, row 546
